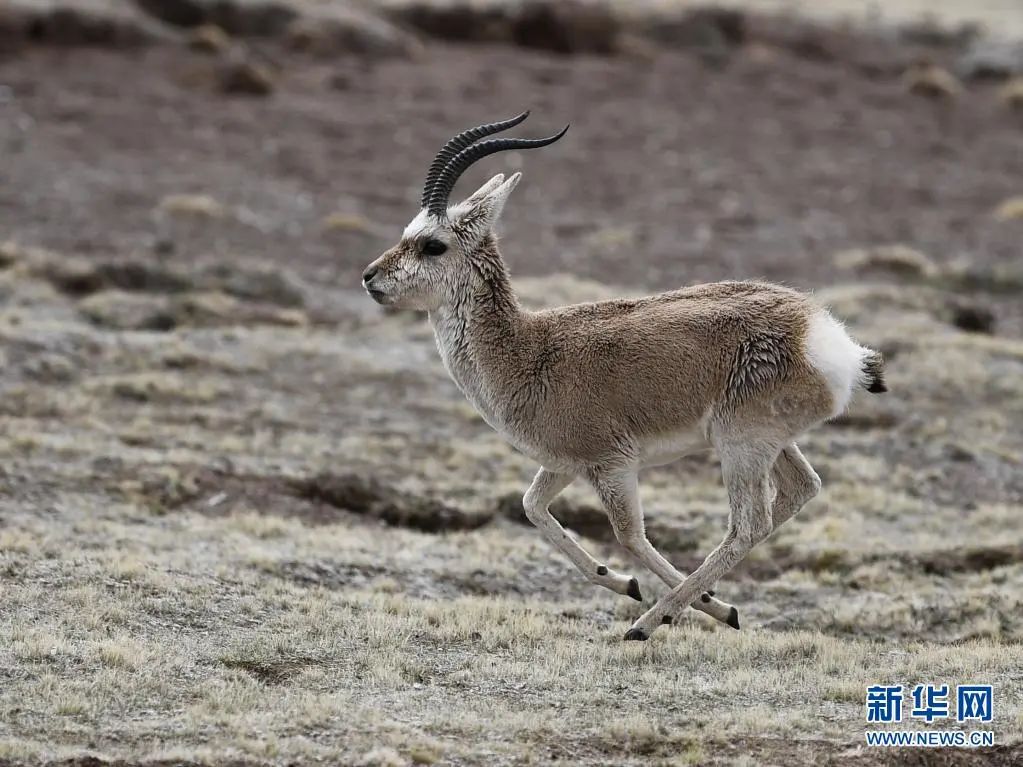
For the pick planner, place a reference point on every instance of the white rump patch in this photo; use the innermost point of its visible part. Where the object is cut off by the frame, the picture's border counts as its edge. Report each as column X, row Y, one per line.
column 838, row 358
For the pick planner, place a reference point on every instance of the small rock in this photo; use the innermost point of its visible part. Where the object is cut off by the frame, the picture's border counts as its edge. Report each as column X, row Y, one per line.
column 246, row 77
column 930, row 80
column 209, row 38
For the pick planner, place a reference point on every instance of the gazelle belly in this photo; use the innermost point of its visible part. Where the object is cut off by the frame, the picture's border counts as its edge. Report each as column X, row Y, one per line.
column 666, row 448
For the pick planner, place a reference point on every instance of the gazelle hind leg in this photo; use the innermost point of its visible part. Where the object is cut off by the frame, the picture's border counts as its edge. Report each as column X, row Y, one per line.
column 546, row 486
column 796, row 482
column 745, row 468
column 619, row 492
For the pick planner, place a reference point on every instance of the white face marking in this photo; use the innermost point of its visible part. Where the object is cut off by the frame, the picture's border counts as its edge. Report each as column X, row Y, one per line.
column 422, row 226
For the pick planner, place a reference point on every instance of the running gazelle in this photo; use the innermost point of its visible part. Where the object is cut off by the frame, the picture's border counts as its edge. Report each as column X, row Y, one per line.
column 599, row 391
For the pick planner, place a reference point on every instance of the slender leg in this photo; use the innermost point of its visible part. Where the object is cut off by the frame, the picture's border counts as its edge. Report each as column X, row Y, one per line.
column 546, row 485
column 745, row 469
column 796, row 481
column 620, row 495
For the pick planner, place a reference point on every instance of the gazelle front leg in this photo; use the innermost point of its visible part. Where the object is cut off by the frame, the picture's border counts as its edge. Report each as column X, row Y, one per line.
column 749, row 495
column 619, row 492
column 546, row 485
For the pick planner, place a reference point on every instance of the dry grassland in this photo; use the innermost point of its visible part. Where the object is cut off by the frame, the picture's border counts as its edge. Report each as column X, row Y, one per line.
column 168, row 593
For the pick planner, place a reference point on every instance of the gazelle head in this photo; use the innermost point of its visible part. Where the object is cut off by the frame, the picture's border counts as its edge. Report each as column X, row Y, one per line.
column 437, row 248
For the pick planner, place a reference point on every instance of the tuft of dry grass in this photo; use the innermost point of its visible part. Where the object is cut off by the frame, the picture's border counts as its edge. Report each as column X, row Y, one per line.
column 209, row 38
column 1011, row 93
column 348, row 222
column 1010, row 210
column 931, row 81
column 196, row 205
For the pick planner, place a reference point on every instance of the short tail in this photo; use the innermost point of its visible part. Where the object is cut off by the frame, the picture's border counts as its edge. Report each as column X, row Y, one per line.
column 873, row 372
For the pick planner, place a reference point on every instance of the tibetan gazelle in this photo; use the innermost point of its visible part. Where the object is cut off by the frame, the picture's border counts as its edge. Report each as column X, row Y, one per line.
column 602, row 390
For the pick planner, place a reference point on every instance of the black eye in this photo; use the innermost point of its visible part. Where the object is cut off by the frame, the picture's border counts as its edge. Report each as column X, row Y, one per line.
column 433, row 248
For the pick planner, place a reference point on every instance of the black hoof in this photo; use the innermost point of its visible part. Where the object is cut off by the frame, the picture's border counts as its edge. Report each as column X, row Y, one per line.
column 634, row 591
column 733, row 619
column 667, row 620
column 635, row 635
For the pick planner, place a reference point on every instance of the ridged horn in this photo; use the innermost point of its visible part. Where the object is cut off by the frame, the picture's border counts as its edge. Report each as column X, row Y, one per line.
column 437, row 203
column 460, row 142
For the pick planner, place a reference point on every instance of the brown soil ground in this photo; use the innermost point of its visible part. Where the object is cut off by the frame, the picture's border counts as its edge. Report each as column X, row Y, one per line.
column 674, row 171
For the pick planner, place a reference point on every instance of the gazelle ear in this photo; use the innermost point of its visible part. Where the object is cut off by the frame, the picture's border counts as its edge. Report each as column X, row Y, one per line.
column 484, row 190
column 478, row 214
column 496, row 198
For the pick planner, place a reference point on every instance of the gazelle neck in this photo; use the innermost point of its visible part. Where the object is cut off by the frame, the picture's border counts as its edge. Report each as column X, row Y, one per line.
column 479, row 327
column 482, row 300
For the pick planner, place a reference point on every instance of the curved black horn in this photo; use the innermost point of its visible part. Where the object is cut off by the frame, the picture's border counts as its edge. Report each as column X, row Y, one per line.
column 438, row 201
column 460, row 142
